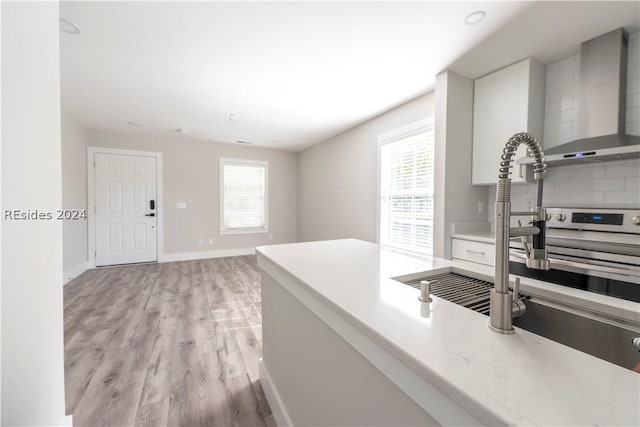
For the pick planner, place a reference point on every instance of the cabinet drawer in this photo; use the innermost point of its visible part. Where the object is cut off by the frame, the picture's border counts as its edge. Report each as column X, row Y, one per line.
column 466, row 250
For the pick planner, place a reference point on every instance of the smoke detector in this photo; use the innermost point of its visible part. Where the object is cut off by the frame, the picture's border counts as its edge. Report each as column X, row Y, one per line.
column 69, row 27
column 475, row 17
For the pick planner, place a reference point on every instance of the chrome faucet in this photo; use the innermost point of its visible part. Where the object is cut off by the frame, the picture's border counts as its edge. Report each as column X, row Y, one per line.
column 504, row 304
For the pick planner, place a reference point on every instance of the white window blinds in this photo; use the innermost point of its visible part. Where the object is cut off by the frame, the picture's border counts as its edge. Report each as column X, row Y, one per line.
column 406, row 178
column 243, row 195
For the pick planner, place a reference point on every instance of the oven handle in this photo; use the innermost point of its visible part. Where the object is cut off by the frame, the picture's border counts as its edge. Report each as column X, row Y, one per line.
column 584, row 266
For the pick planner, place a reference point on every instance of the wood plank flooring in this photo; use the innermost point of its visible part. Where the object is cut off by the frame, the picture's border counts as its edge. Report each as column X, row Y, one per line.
column 173, row 344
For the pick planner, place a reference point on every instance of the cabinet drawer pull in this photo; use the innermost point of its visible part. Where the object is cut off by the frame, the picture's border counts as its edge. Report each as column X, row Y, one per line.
column 474, row 252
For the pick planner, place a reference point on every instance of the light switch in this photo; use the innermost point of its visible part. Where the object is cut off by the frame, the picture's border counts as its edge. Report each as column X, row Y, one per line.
column 181, row 205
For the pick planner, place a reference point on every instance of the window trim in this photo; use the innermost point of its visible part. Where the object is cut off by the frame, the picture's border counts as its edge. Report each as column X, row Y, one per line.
column 243, row 162
column 394, row 135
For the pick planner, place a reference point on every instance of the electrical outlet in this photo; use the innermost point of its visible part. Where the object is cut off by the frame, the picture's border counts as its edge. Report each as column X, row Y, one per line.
column 181, row 205
column 480, row 206
column 271, row 237
column 211, row 240
column 201, row 241
column 530, row 204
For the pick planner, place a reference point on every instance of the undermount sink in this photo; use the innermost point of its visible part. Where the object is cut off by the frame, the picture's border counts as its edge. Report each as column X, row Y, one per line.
column 607, row 339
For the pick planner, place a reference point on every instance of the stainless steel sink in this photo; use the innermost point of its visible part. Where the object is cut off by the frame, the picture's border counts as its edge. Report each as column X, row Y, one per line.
column 610, row 341
column 606, row 338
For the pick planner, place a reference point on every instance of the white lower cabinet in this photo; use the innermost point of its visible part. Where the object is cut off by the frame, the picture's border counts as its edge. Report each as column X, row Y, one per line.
column 478, row 252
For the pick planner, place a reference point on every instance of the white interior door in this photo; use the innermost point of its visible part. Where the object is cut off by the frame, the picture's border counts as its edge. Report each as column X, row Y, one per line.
column 125, row 209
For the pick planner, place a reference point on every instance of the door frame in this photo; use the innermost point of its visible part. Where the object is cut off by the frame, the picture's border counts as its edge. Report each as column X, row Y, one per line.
column 91, row 220
column 388, row 137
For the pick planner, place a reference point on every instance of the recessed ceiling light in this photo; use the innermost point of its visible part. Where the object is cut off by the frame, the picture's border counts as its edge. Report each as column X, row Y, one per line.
column 134, row 124
column 475, row 17
column 244, row 142
column 182, row 131
column 69, row 27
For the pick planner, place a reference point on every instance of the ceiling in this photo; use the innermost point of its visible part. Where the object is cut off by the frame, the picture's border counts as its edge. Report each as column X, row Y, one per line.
column 287, row 75
column 549, row 31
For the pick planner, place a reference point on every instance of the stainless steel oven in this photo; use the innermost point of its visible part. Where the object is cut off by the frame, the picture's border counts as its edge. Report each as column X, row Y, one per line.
column 597, row 250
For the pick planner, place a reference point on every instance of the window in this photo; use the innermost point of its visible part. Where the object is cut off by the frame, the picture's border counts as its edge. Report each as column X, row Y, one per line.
column 406, row 188
column 243, row 196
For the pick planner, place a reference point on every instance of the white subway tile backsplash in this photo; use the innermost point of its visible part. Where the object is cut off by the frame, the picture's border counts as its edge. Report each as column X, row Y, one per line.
column 565, row 128
column 586, row 198
column 589, row 185
column 567, row 91
column 566, row 104
column 633, row 114
column 625, row 168
column 570, row 115
column 609, row 184
column 633, row 128
column 566, row 137
column 587, row 172
column 551, row 104
column 629, row 199
column 632, row 183
column 552, row 118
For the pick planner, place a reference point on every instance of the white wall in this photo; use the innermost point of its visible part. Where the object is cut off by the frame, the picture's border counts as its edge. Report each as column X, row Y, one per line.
column 32, row 323
column 455, row 199
column 337, row 189
column 190, row 174
column 74, row 196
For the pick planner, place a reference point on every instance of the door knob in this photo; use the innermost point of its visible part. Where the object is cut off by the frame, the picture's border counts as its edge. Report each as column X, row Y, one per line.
column 151, row 214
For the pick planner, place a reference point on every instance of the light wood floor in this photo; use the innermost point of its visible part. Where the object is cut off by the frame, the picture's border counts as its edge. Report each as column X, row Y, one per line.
column 173, row 344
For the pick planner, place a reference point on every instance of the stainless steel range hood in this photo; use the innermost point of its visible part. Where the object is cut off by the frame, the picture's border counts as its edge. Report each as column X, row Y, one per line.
column 601, row 112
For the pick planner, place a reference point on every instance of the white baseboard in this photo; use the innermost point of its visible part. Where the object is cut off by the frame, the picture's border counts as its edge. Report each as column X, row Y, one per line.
column 188, row 256
column 75, row 272
column 67, row 421
column 276, row 404
column 179, row 256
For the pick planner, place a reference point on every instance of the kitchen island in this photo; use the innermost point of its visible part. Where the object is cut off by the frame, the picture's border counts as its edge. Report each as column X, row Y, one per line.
column 346, row 344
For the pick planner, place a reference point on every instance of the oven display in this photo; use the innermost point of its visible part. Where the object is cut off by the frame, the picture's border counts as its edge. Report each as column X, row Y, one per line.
column 597, row 218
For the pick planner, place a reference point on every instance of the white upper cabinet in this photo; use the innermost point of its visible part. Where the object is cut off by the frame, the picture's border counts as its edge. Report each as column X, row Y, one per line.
column 506, row 102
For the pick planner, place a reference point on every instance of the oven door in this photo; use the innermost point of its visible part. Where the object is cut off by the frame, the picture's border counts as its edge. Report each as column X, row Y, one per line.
column 603, row 273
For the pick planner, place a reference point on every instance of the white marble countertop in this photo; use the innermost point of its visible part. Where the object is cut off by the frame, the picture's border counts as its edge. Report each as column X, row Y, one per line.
column 519, row 379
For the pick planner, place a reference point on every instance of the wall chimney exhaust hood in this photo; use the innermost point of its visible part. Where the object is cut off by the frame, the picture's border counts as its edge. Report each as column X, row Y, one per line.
column 601, row 115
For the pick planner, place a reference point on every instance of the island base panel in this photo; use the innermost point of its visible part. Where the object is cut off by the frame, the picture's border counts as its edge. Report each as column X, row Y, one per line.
column 318, row 377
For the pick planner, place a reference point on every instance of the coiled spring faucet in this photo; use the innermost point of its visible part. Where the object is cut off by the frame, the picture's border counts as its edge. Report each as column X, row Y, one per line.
column 505, row 305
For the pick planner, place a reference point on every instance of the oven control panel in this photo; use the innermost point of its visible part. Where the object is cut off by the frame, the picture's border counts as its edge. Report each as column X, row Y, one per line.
column 616, row 220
